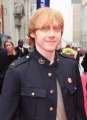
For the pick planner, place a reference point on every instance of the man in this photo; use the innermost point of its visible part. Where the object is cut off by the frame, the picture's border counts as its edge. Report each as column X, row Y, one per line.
column 44, row 85
column 20, row 49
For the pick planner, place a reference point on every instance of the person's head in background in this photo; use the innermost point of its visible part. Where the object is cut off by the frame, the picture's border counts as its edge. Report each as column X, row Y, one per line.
column 9, row 45
column 84, row 62
column 20, row 43
column 46, row 29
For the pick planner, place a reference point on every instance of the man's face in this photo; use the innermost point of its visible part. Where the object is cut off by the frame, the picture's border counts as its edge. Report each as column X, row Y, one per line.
column 47, row 38
column 20, row 44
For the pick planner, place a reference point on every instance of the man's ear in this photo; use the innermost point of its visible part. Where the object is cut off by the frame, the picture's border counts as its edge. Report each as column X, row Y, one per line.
column 32, row 35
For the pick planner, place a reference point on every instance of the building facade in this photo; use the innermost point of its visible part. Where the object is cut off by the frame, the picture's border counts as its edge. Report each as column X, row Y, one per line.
column 1, row 17
column 83, row 40
column 17, row 17
column 18, row 13
column 79, row 23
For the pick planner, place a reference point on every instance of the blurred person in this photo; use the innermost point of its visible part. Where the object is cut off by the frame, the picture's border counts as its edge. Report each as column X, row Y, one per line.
column 6, row 58
column 3, row 62
column 69, row 51
column 80, row 56
column 84, row 62
column 84, row 81
column 9, row 45
column 44, row 85
column 20, row 49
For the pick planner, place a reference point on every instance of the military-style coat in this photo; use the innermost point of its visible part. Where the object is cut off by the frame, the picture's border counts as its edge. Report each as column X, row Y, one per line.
column 30, row 91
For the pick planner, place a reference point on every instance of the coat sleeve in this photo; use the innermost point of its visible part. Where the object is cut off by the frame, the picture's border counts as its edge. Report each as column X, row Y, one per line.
column 79, row 97
column 10, row 96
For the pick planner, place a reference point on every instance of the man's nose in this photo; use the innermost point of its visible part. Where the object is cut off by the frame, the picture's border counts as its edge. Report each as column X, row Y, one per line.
column 51, row 31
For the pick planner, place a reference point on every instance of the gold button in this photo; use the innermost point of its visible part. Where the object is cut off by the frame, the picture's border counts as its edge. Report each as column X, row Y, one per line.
column 33, row 93
column 51, row 91
column 41, row 61
column 49, row 74
column 51, row 108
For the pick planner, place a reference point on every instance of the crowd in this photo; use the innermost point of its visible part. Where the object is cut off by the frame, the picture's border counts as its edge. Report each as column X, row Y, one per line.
column 48, row 83
column 9, row 53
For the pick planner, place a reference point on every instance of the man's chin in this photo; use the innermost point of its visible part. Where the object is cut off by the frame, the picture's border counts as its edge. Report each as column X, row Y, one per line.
column 50, row 50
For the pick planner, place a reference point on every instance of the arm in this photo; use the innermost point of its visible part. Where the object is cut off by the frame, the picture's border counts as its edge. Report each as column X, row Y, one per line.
column 79, row 96
column 10, row 95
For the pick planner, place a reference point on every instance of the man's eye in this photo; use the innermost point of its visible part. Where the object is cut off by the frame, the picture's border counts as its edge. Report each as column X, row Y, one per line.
column 56, row 29
column 44, row 28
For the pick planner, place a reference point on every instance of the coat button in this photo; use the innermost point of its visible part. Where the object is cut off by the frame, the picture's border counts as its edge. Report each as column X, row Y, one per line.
column 27, row 56
column 58, row 60
column 33, row 93
column 50, row 108
column 51, row 91
column 41, row 61
column 13, row 64
column 49, row 74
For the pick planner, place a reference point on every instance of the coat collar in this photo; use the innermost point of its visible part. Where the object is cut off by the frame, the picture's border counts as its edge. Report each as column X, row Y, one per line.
column 43, row 61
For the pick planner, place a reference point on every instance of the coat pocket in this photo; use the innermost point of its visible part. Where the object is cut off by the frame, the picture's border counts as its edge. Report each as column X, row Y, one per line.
column 70, row 87
column 33, row 92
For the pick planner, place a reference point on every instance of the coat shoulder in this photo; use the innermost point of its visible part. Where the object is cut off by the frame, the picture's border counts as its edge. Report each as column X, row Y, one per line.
column 20, row 61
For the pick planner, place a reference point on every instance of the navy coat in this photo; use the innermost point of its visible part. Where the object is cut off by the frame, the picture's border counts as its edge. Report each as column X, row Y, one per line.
column 30, row 92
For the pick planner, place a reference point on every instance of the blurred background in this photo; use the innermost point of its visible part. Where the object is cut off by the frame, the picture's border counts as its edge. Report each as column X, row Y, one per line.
column 15, row 15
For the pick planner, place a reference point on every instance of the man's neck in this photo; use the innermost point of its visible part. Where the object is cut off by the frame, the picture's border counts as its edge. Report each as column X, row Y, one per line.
column 49, row 55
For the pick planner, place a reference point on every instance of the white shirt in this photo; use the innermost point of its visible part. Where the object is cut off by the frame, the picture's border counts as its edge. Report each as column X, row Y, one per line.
column 61, row 115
